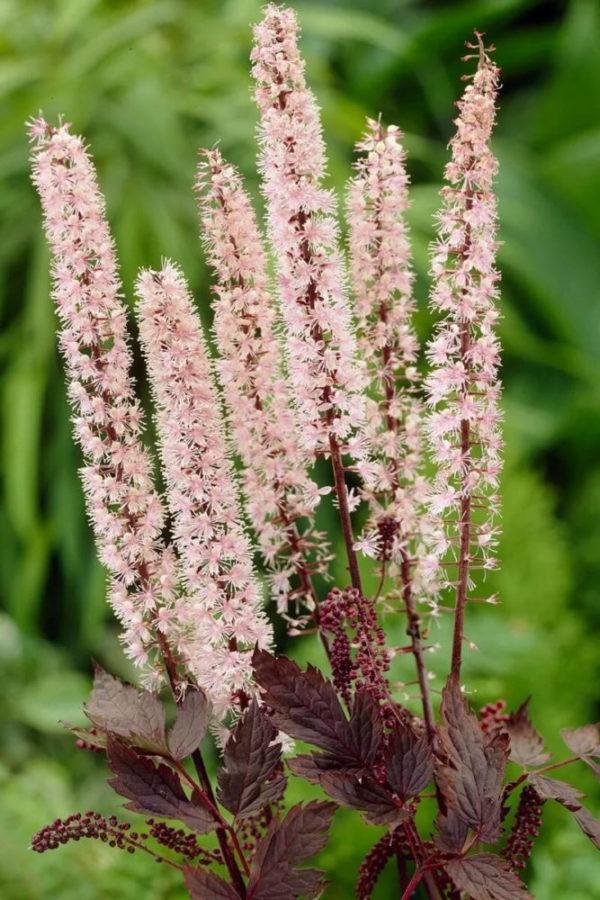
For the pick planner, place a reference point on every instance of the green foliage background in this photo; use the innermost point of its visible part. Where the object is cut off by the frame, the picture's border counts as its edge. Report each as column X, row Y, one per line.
column 147, row 82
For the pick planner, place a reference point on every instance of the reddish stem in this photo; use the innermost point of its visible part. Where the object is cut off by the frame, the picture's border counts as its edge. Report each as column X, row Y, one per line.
column 345, row 520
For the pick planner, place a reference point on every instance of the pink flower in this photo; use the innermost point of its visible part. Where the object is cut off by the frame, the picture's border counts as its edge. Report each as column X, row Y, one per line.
column 463, row 385
column 221, row 616
column 326, row 376
column 125, row 510
column 382, row 278
column 278, row 489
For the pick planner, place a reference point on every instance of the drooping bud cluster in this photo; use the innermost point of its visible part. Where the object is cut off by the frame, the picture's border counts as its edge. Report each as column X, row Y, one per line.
column 359, row 658
column 525, row 829
column 374, row 863
column 278, row 489
column 463, row 387
column 221, row 617
column 382, row 279
column 89, row 825
column 325, row 373
column 181, row 842
column 125, row 510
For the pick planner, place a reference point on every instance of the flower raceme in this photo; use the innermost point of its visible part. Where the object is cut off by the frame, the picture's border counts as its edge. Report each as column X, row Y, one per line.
column 221, row 611
column 279, row 492
column 125, row 510
column 463, row 387
column 326, row 375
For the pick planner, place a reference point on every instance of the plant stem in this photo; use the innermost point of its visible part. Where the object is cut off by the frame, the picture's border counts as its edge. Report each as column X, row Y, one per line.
column 346, row 522
column 228, row 856
column 414, row 631
column 464, row 526
column 548, row 768
column 412, row 884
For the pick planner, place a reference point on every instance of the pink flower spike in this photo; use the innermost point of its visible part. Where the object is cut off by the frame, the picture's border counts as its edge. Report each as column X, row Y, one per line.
column 327, row 378
column 221, row 616
column 125, row 510
column 278, row 489
column 382, row 279
column 464, row 353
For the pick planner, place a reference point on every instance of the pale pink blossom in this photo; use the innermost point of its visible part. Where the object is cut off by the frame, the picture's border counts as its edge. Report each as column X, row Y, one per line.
column 280, row 495
column 382, row 277
column 221, row 616
column 463, row 385
column 125, row 510
column 321, row 347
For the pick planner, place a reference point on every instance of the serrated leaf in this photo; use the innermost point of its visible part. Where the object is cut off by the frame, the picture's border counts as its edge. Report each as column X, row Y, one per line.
column 588, row 824
column 553, row 789
column 153, row 787
column 305, row 705
column 287, row 843
column 190, row 725
column 372, row 799
column 203, row 885
column 470, row 767
column 409, row 764
column 569, row 797
column 122, row 709
column 526, row 745
column 584, row 741
column 451, row 832
column 311, row 766
column 366, row 726
column 486, row 877
column 248, row 778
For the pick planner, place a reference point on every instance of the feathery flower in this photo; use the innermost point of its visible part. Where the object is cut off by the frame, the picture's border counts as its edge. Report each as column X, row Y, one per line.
column 221, row 616
column 382, row 278
column 463, row 386
column 325, row 373
column 124, row 508
column 278, row 489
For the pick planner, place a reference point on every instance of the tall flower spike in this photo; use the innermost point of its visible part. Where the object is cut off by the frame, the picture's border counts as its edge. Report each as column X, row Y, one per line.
column 401, row 530
column 326, row 376
column 221, row 615
column 382, row 279
column 279, row 491
column 463, row 387
column 125, row 510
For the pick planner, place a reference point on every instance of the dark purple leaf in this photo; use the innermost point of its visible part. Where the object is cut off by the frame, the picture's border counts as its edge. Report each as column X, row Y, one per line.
column 451, row 832
column 311, row 766
column 248, row 779
column 486, row 877
column 305, row 705
column 409, row 764
column 153, row 787
column 583, row 741
column 470, row 766
column 372, row 799
column 526, row 745
column 203, row 885
column 287, row 843
column 569, row 797
column 190, row 725
column 122, row 709
column 588, row 824
column 366, row 727
column 553, row 789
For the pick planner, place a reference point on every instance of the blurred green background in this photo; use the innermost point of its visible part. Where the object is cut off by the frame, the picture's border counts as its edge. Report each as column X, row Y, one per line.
column 147, row 83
